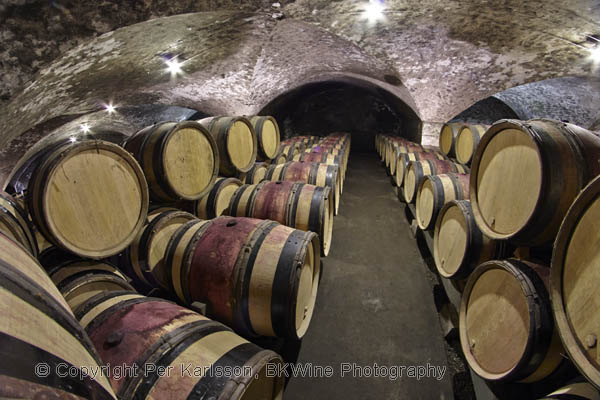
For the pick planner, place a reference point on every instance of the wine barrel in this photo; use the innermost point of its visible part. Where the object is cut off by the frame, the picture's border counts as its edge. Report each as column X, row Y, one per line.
column 297, row 205
column 144, row 258
column 574, row 275
column 436, row 190
column 410, row 148
column 467, row 140
column 194, row 352
column 257, row 276
column 416, row 170
column 216, row 201
column 39, row 328
column 291, row 149
column 14, row 222
column 574, row 391
column 525, row 176
column 80, row 280
column 324, row 158
column 317, row 174
column 89, row 197
column 393, row 149
column 448, row 136
column 267, row 135
column 458, row 244
column 405, row 158
column 236, row 141
column 256, row 174
column 180, row 160
column 505, row 323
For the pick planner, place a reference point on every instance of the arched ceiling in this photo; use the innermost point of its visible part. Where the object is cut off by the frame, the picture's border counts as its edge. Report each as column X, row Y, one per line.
column 438, row 57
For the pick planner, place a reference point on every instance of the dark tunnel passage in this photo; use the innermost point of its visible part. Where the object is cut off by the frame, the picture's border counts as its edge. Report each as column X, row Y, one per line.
column 359, row 108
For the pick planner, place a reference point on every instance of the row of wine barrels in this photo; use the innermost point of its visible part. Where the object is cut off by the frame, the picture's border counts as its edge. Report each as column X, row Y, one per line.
column 467, row 141
column 256, row 174
column 14, row 222
column 417, row 170
column 574, row 278
column 144, row 258
column 317, row 174
column 526, row 174
column 180, row 354
column 297, row 205
column 323, row 158
column 458, row 244
column 88, row 197
column 38, row 333
column 216, row 201
column 236, row 143
column 257, row 276
column 434, row 192
column 404, row 158
column 267, row 136
column 179, row 160
column 506, row 326
column 288, row 150
column 396, row 152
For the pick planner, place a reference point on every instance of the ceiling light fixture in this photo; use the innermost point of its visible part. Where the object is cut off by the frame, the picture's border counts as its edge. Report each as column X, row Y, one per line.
column 174, row 66
column 373, row 11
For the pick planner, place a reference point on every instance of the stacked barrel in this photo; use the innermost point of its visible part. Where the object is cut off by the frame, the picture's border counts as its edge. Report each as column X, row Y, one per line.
column 109, row 222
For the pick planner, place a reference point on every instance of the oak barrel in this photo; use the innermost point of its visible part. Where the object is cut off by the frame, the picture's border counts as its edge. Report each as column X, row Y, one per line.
column 14, row 222
column 216, row 201
column 236, row 142
column 417, row 170
column 37, row 326
column 467, row 140
column 200, row 358
column 436, row 190
column 267, row 135
column 297, row 205
column 89, row 197
column 324, row 158
column 505, row 323
column 458, row 244
column 405, row 158
column 317, row 174
column 526, row 174
column 397, row 153
column 257, row 276
column 256, row 174
column 143, row 260
column 180, row 160
column 574, row 281
column 448, row 135
column 574, row 391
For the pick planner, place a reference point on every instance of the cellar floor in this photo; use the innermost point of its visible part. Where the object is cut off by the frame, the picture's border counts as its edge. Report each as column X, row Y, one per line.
column 375, row 305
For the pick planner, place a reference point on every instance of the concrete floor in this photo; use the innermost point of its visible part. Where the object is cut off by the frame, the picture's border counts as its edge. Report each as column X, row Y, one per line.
column 375, row 304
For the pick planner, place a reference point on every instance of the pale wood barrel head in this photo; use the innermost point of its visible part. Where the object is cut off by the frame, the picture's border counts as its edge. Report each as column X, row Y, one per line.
column 446, row 139
column 575, row 275
column 450, row 240
column 424, row 203
column 189, row 162
column 270, row 138
column 508, row 182
column 308, row 284
column 464, row 145
column 259, row 174
column 94, row 201
column 240, row 144
column 410, row 182
column 328, row 223
column 496, row 323
column 225, row 195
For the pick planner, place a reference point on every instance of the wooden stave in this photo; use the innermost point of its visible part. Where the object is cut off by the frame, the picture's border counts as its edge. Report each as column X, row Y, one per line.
column 476, row 131
column 258, row 122
column 50, row 162
column 230, row 305
column 479, row 248
column 436, row 166
column 460, row 191
column 37, row 291
column 583, row 147
column 572, row 344
column 454, row 128
column 206, row 207
column 219, row 129
column 287, row 195
column 533, row 365
column 16, row 216
column 174, row 332
column 251, row 177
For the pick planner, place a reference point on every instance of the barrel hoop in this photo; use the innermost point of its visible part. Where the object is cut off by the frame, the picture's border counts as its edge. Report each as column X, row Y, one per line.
column 158, row 191
column 143, row 250
column 66, row 282
column 244, row 265
column 164, row 352
column 223, row 134
column 332, row 176
column 285, row 285
column 249, row 211
column 457, row 188
column 16, row 224
column 76, row 283
column 30, row 292
column 577, row 147
column 166, row 130
column 21, row 215
column 211, row 211
column 17, row 362
column 188, row 255
column 260, row 121
column 104, row 315
column 92, row 302
column 211, row 385
column 312, row 175
column 292, row 206
column 439, row 196
column 315, row 212
column 475, row 236
column 172, row 246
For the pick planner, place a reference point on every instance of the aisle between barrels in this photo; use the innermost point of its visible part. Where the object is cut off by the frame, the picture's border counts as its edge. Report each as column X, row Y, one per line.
column 375, row 313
